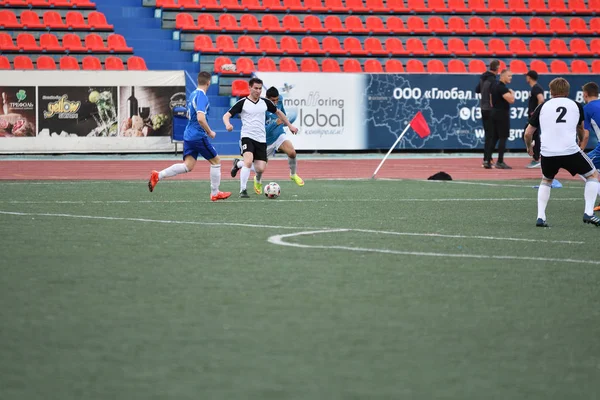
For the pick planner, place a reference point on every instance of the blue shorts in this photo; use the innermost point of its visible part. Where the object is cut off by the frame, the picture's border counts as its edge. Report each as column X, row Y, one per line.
column 202, row 147
column 595, row 157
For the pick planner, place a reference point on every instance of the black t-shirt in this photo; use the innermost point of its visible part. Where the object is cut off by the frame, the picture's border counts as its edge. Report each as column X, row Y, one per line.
column 498, row 102
column 533, row 101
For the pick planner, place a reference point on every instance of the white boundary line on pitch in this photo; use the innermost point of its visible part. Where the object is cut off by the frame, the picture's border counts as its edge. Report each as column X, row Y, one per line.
column 279, row 240
column 313, row 229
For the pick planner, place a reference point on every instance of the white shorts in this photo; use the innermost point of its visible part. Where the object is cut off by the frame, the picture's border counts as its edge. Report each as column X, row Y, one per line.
column 272, row 148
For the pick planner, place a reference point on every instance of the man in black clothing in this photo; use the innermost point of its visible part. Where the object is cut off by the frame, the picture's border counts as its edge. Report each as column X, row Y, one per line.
column 535, row 99
column 487, row 80
column 502, row 98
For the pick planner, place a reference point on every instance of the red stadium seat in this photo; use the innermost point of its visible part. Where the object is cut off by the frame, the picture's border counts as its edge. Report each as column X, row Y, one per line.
column 135, row 63
column 313, row 25
column 184, row 21
column 538, row 25
column 4, row 63
column 498, row 6
column 457, row 47
column 376, row 6
column 289, row 45
column 22, row 62
column 375, row 25
column 579, row 48
column 315, row 6
column 6, row 42
column 227, row 22
column 435, row 67
column 292, row 24
column 8, row 20
column 457, row 25
column 596, row 67
column 224, row 5
column 204, row 44
column 559, row 26
column 595, row 47
column 268, row 45
column 26, row 42
column 394, row 47
column 97, row 20
column 477, row 47
column 294, row 5
column 559, row 67
column 458, row 6
column 330, row 65
column 396, row 6
column 310, row 45
column 30, row 19
column 518, row 48
column 251, row 5
column 416, row 25
column 49, row 42
column 353, row 46
column 478, row 26
column 335, row 6
column 94, row 43
column 498, row 47
column 207, row 22
column 53, row 20
column 69, row 63
column 477, row 67
column 578, row 25
column 356, row 6
column 220, row 62
column 559, row 47
column 395, row 25
column 457, row 66
column 435, row 46
column 270, row 24
column 518, row 26
column 248, row 22
column 113, row 64
column 415, row 66
column 273, row 5
column 74, row 20
column 247, row 45
column 539, row 66
column 518, row 6
column 116, row 42
column 478, row 6
column 438, row 6
column 266, row 64
column 352, row 65
column 417, row 6
column 538, row 48
column 393, row 66
column 518, row 67
column 91, row 63
column 373, row 66
column 538, row 6
column 309, row 65
column 77, row 3
column 374, row 47
column 224, row 43
column 578, row 6
column 415, row 47
column 244, row 65
column 557, row 6
column 437, row 25
column 193, row 5
column 331, row 45
column 354, row 25
column 498, row 26
column 579, row 67
column 240, row 88
column 334, row 25
column 45, row 63
column 288, row 65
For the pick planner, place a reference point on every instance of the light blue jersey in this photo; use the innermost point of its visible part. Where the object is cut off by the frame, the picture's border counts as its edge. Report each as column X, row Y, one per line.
column 591, row 122
column 274, row 130
column 198, row 103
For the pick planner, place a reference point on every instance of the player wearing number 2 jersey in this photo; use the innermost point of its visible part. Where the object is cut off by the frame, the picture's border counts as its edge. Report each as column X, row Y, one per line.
column 561, row 122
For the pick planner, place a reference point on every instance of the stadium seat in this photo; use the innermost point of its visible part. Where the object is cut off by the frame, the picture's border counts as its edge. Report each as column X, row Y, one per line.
column 135, row 63
column 579, row 48
column 373, row 66
column 251, row 5
column 227, row 22
column 224, row 43
column 313, row 25
column 557, row 6
column 438, row 6
column 374, row 47
column 30, row 19
column 53, row 20
column 518, row 6
column 273, row 5
column 224, row 5
column 538, row 6
column 117, row 43
column 266, row 64
column 6, row 42
column 91, row 63
column 518, row 48
column 289, row 45
column 335, row 6
column 355, row 6
column 498, row 47
column 330, row 65
column 538, row 26
column 417, row 6
column 394, row 47
column 68, row 63
column 268, row 45
column 45, row 63
column 26, row 42
column 415, row 66
column 596, row 67
column 559, row 67
column 8, row 20
column 354, row 25
column 309, row 65
column 579, row 67
column 559, row 26
column 22, row 62
column 478, row 6
column 193, row 5
column 376, row 6
column 204, row 44
column 396, row 6
column 539, row 66
column 559, row 48
column 49, row 42
column 457, row 26
column 498, row 26
column 219, row 62
column 97, row 20
column 538, row 48
column 334, row 25
column 393, row 66
column 292, row 24
column 352, row 65
column 294, row 6
column 240, row 88
column 4, row 63
column 477, row 67
column 331, row 45
column 518, row 67
column 478, row 26
column 315, row 6
column 76, row 3
column 457, row 66
column 244, row 65
column 458, row 6
column 518, row 26
column 578, row 25
column 206, row 22
column 74, row 20
column 437, row 25
column 249, row 23
column 578, row 6
column 435, row 67
column 94, row 43
column 270, row 24
column 415, row 47
column 456, row 47
column 497, row 6
column 477, row 48
column 353, row 47
column 416, row 25
column 375, row 25
column 435, row 46
column 247, row 45
column 595, row 47
column 288, row 65
column 310, row 46
column 185, row 21
column 395, row 25
column 113, row 64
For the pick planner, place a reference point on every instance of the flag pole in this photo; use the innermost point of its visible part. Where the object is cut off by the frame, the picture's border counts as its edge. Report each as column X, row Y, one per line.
column 390, row 150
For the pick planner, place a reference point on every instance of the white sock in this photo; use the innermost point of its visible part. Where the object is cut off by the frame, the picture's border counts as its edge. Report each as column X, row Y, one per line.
column 173, row 170
column 215, row 179
column 590, row 193
column 258, row 176
column 292, row 163
column 543, row 197
column 240, row 164
column 244, row 175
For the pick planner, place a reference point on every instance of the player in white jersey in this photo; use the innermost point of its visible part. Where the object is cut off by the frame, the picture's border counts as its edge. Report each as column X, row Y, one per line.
column 560, row 120
column 252, row 111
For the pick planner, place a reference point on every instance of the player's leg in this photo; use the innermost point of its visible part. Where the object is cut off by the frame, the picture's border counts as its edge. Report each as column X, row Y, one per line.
column 550, row 166
column 190, row 154
column 209, row 153
column 580, row 163
column 288, row 148
column 248, row 159
column 503, row 130
column 488, row 130
column 260, row 163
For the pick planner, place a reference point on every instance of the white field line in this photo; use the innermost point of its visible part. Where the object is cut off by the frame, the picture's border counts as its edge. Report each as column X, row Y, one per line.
column 279, row 240
column 321, row 229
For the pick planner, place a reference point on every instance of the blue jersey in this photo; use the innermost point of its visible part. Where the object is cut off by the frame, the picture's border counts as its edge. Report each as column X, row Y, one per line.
column 274, row 130
column 591, row 122
column 198, row 103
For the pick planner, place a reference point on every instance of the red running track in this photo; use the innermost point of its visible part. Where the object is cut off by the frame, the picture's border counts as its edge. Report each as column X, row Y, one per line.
column 458, row 168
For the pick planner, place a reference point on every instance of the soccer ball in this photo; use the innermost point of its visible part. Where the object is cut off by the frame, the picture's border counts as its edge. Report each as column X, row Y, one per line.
column 272, row 190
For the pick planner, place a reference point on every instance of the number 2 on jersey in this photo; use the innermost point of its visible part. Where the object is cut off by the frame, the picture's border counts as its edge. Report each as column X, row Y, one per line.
column 562, row 112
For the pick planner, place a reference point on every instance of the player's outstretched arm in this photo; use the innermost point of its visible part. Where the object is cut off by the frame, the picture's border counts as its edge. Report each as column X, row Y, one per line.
column 286, row 121
column 226, row 118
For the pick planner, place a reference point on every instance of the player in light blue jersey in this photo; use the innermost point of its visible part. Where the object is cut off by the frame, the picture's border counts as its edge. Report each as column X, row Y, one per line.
column 277, row 140
column 591, row 121
column 195, row 142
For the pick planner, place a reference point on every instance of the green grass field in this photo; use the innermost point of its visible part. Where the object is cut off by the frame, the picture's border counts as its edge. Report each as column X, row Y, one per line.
column 409, row 290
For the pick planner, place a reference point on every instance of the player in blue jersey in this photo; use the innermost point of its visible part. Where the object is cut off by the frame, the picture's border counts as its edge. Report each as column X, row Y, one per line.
column 591, row 120
column 277, row 140
column 195, row 142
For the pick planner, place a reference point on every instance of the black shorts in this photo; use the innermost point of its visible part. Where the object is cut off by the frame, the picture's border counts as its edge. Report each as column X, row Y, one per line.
column 258, row 149
column 577, row 163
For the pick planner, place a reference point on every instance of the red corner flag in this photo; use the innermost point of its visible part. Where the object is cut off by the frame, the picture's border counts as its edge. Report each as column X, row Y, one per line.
column 420, row 126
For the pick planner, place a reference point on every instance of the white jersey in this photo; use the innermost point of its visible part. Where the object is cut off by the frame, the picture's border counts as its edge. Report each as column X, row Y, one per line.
column 557, row 120
column 253, row 117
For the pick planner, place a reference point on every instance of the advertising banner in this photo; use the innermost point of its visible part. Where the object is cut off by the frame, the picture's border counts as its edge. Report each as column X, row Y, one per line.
column 17, row 111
